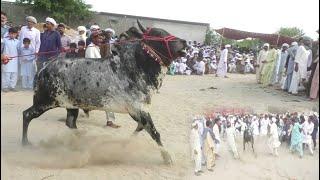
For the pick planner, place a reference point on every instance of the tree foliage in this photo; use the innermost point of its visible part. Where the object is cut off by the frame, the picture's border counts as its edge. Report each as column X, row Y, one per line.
column 212, row 38
column 293, row 32
column 61, row 10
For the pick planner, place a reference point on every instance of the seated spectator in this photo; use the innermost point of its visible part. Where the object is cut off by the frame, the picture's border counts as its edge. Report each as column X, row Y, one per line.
column 199, row 67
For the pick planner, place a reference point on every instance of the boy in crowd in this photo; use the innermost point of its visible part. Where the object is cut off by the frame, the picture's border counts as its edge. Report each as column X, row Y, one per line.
column 10, row 70
column 27, row 62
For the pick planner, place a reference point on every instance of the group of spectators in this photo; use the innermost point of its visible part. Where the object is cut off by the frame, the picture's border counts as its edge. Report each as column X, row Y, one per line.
column 292, row 68
column 298, row 131
column 25, row 50
column 202, row 59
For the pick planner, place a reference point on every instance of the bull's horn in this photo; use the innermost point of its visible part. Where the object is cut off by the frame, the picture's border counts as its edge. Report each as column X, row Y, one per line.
column 141, row 27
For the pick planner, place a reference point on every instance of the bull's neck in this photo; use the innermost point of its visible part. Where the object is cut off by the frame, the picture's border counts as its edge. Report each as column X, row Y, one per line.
column 154, row 72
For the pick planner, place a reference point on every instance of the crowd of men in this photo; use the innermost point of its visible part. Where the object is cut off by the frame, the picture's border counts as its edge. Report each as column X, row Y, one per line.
column 22, row 44
column 202, row 59
column 28, row 49
column 294, row 68
column 296, row 130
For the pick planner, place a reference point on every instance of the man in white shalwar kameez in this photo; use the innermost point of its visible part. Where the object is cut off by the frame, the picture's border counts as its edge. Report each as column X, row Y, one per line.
column 231, row 133
column 30, row 32
column 9, row 71
column 264, row 126
column 195, row 142
column 307, row 128
column 255, row 126
column 200, row 121
column 300, row 67
column 273, row 140
column 216, row 132
column 222, row 65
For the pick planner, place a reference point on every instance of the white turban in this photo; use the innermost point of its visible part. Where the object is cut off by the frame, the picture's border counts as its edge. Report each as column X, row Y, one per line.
column 294, row 43
column 110, row 30
column 266, row 44
column 94, row 27
column 285, row 45
column 31, row 19
column 227, row 46
column 274, row 119
column 51, row 20
column 81, row 28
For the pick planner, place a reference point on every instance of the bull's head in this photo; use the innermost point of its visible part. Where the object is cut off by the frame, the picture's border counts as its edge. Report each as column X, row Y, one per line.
column 168, row 53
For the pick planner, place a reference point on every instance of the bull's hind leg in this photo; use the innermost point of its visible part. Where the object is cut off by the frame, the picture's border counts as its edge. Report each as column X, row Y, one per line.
column 86, row 111
column 144, row 120
column 72, row 115
column 28, row 115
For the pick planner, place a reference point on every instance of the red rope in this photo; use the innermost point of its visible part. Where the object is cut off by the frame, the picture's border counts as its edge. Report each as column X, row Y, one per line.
column 166, row 40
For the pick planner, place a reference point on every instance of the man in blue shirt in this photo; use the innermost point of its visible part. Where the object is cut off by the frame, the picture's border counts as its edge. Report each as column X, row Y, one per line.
column 50, row 44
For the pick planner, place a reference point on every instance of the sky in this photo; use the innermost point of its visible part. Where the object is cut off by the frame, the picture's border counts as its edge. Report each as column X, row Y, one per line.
column 248, row 15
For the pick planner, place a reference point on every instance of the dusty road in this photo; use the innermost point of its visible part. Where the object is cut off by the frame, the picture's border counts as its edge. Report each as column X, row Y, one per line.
column 96, row 152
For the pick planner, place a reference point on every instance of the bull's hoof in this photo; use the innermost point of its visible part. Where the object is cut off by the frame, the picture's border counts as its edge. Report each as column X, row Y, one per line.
column 71, row 125
column 26, row 143
column 166, row 157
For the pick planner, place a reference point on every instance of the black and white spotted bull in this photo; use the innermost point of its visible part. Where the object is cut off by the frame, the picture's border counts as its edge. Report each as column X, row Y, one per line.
column 120, row 85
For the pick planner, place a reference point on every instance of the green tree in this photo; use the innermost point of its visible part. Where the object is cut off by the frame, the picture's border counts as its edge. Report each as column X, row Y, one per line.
column 293, row 32
column 212, row 38
column 62, row 10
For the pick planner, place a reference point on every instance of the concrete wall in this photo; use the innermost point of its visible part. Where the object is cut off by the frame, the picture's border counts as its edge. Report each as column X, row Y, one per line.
column 120, row 23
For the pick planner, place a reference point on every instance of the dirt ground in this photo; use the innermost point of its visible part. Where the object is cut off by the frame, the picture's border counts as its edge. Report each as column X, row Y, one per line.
column 96, row 152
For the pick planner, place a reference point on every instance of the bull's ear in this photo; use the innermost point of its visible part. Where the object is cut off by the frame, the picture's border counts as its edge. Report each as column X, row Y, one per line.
column 133, row 31
column 141, row 27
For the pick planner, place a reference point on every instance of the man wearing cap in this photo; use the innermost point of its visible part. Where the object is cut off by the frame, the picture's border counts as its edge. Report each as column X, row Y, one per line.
column 279, row 66
column 289, row 65
column 82, row 34
column 296, row 138
column 300, row 66
column 50, row 46
column 268, row 68
column 222, row 65
column 94, row 29
column 30, row 32
column 307, row 128
column 273, row 140
column 107, row 46
column 261, row 59
column 195, row 142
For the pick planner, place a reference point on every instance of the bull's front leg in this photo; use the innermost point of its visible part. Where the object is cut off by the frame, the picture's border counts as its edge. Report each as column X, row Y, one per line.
column 144, row 120
column 72, row 115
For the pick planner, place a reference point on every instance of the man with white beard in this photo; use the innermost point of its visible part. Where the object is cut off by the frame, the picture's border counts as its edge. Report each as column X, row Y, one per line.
column 300, row 67
column 196, row 153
